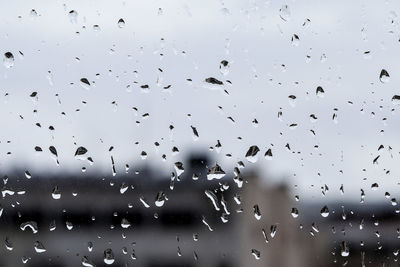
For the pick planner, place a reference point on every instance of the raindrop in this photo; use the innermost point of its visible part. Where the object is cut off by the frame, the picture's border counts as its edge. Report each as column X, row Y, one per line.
column 374, row 186
column 320, row 91
column 251, row 154
column 8, row 60
column 295, row 212
column 284, row 13
column 73, row 16
column 213, row 198
column 273, row 230
column 84, row 82
column 212, row 80
column 215, row 172
column 121, row 23
column 144, row 202
column 28, row 175
column 396, row 99
column 109, row 256
column 30, row 224
column 257, row 213
column 325, row 212
column 224, row 67
column 39, row 248
column 53, row 151
column 8, row 244
column 295, row 40
column 160, row 199
column 87, row 263
column 268, row 154
column 179, row 168
column 195, row 133
column 344, row 249
column 69, row 225
column 125, row 223
column 384, row 76
column 80, row 151
column 256, row 253
column 56, row 194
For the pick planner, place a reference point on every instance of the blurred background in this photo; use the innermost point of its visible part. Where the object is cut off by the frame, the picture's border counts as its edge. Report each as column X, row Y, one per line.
column 217, row 133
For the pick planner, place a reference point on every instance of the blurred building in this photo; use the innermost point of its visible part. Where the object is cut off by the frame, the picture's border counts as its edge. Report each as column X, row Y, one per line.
column 95, row 213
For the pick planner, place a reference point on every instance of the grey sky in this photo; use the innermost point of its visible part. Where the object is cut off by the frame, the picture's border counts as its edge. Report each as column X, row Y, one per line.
column 256, row 42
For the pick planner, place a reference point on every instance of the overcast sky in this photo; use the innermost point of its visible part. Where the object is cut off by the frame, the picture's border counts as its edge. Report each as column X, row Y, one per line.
column 188, row 40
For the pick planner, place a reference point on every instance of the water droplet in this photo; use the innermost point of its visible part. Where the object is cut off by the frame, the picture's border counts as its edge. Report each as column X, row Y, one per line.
column 344, row 249
column 144, row 202
column 28, row 175
column 8, row 244
column 84, row 82
column 215, row 172
column 213, row 198
column 273, row 230
column 320, row 91
column 396, row 99
column 52, row 225
column 90, row 246
column 80, row 151
column 69, row 225
column 87, row 263
column 268, row 154
column 33, row 13
column 160, row 199
column 251, row 154
column 213, row 80
column 179, row 168
column 30, row 224
column 195, row 133
column 125, row 223
column 121, row 23
column 384, row 76
column 257, row 213
column 295, row 40
column 56, row 194
column 284, row 13
column 256, row 253
column 325, row 212
column 109, row 256
column 8, row 60
column 39, row 248
column 295, row 212
column 73, row 16
column 224, row 67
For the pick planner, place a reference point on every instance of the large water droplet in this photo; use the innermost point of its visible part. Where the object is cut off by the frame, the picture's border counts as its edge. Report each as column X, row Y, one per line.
column 30, row 224
column 215, row 172
column 109, row 256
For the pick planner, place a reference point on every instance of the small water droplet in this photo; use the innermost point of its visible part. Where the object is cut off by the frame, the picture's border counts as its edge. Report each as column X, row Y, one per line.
column 39, row 248
column 257, row 213
column 121, row 23
column 325, row 212
column 256, row 253
column 384, row 76
column 284, row 13
column 8, row 60
column 56, row 194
